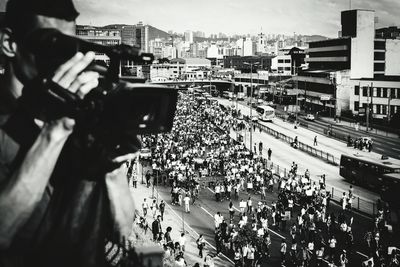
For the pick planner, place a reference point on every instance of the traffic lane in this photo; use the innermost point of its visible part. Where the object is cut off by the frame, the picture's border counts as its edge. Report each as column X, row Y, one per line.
column 197, row 218
column 381, row 145
column 329, row 145
column 283, row 155
column 208, row 203
column 361, row 223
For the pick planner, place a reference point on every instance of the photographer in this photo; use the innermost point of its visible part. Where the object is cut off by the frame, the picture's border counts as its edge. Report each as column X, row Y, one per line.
column 48, row 218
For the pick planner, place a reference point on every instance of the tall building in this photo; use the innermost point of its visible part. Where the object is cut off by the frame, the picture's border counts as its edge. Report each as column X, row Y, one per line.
column 261, row 43
column 357, row 73
column 189, row 36
column 249, row 47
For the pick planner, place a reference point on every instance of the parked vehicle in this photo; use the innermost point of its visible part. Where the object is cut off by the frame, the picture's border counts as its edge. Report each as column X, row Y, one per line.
column 310, row 117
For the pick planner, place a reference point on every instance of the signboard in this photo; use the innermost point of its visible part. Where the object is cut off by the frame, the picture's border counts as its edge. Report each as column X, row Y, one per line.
column 361, row 111
column 325, row 97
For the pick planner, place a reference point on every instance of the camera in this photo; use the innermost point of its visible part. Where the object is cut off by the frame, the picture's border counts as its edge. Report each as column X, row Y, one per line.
column 109, row 118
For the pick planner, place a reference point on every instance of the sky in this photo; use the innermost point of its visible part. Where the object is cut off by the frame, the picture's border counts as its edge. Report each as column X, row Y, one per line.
column 234, row 16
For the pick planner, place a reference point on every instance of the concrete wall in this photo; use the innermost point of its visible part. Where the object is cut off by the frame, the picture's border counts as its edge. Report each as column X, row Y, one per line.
column 343, row 91
column 392, row 64
column 362, row 46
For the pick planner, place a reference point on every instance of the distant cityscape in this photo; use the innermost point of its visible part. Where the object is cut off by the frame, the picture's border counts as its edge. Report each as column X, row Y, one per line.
column 356, row 74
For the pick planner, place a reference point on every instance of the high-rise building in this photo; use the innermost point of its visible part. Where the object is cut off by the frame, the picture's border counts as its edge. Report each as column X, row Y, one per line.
column 261, row 43
column 359, row 72
column 189, row 36
column 249, row 47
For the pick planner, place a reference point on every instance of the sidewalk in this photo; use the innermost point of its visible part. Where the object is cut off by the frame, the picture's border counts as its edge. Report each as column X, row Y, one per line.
column 362, row 129
column 174, row 220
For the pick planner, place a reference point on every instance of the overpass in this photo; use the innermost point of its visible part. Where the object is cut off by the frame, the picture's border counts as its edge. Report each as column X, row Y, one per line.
column 221, row 85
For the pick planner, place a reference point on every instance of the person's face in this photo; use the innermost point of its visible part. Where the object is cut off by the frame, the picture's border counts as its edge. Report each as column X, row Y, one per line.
column 24, row 63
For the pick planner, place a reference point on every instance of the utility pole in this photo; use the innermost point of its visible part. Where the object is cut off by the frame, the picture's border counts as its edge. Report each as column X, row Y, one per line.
column 251, row 101
column 367, row 109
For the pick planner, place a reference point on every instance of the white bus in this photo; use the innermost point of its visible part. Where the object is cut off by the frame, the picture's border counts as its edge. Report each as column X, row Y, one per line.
column 265, row 113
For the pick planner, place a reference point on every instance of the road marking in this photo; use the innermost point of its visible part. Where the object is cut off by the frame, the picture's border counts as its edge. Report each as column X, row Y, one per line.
column 395, row 149
column 362, row 254
column 194, row 231
column 207, row 212
column 272, row 231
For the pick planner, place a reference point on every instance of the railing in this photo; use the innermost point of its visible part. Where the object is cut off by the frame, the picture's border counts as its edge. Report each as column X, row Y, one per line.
column 360, row 204
column 303, row 147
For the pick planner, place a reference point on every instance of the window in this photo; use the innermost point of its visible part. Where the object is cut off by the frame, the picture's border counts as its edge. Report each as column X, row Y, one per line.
column 384, row 111
column 356, row 105
column 364, row 91
column 374, row 92
column 287, row 68
column 378, row 109
column 287, row 60
column 356, row 90
column 385, row 92
column 280, row 60
column 378, row 92
column 398, row 93
column 392, row 111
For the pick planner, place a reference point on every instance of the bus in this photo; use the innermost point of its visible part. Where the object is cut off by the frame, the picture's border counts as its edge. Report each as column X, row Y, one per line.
column 265, row 113
column 377, row 173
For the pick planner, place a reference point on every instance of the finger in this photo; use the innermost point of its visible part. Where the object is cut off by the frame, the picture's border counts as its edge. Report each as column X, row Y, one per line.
column 67, row 79
column 87, row 87
column 61, row 70
column 126, row 157
column 82, row 79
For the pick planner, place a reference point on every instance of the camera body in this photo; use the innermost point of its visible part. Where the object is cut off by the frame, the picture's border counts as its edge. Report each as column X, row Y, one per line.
column 111, row 116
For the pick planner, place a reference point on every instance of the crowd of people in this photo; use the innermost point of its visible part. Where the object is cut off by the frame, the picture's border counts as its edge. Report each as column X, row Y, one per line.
column 200, row 147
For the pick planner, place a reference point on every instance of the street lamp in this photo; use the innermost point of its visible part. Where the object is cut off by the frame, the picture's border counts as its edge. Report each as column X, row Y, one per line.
column 251, row 100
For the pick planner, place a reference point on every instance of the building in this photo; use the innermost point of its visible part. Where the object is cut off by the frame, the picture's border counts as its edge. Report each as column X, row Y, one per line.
column 189, row 36
column 179, row 68
column 238, row 63
column 108, row 36
column 341, row 70
column 261, row 44
column 249, row 47
column 288, row 61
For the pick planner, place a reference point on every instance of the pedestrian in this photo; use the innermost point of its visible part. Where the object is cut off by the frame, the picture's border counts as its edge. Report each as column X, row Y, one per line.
column 237, row 257
column 249, row 205
column 145, row 206
column 182, row 242
column 162, row 209
column 231, row 210
column 269, row 153
column 283, row 251
column 343, row 259
column 332, row 248
column 154, row 208
column 168, row 238
column 186, row 201
column 315, row 141
column 148, row 176
column 156, row 228
column 201, row 242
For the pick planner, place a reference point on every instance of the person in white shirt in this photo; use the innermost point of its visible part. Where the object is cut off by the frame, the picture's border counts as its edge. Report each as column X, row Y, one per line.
column 186, row 201
column 217, row 219
column 182, row 241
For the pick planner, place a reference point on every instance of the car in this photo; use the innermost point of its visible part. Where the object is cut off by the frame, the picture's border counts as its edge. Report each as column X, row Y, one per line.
column 310, row 117
column 145, row 153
